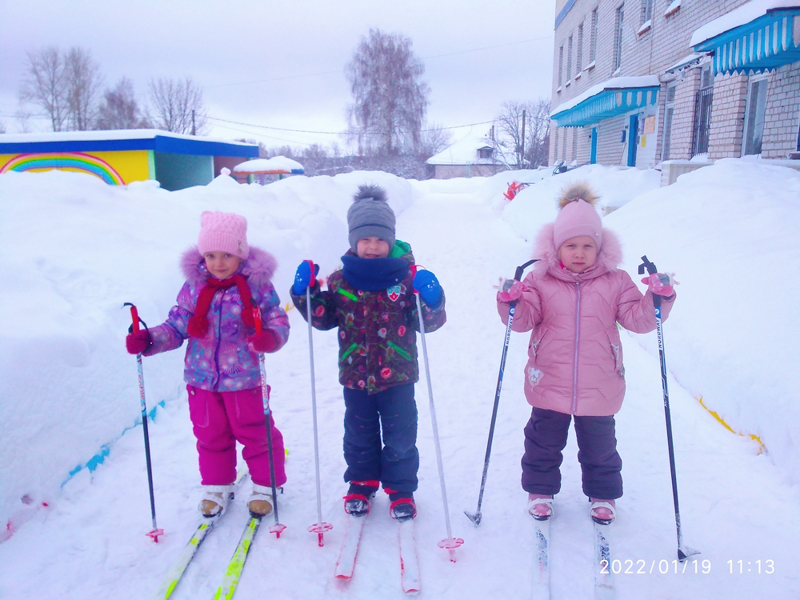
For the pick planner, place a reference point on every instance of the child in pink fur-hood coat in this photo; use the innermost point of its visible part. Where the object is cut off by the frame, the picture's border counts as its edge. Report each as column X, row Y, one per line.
column 571, row 302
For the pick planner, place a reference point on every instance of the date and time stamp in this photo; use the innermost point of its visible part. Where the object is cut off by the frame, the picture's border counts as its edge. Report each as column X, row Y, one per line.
column 695, row 567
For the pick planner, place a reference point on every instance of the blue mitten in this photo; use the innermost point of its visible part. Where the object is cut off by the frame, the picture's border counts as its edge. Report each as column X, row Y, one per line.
column 428, row 287
column 303, row 278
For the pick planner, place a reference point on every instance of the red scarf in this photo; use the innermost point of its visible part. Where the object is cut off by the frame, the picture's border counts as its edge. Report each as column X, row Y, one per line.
column 198, row 323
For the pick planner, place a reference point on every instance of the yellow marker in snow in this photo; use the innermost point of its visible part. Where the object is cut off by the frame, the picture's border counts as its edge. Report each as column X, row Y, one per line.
column 752, row 436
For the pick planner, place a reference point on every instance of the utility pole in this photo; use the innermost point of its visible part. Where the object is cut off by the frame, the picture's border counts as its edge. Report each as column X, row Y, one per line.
column 194, row 129
column 522, row 155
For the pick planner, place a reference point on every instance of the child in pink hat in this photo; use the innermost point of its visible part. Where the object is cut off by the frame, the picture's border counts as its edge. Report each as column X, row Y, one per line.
column 227, row 283
column 571, row 302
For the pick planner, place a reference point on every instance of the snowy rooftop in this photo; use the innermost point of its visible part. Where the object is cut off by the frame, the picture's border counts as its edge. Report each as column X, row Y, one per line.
column 740, row 16
column 276, row 164
column 616, row 83
column 464, row 151
column 100, row 135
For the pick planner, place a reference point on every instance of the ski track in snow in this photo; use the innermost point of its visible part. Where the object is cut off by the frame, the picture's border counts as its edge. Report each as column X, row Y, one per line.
column 91, row 543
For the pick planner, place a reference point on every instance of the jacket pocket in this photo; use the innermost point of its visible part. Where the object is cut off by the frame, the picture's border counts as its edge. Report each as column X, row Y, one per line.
column 615, row 346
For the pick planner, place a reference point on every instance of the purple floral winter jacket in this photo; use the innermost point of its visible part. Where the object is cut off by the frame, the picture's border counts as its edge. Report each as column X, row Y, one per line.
column 221, row 361
column 575, row 354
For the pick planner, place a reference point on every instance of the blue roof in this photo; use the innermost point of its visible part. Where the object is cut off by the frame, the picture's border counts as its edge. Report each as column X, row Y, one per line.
column 115, row 141
column 761, row 44
column 610, row 99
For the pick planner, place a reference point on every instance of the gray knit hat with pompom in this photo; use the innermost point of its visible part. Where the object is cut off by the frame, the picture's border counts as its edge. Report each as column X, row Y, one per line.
column 370, row 215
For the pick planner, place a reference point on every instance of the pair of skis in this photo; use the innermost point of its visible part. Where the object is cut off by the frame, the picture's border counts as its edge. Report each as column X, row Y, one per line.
column 603, row 581
column 409, row 561
column 235, row 566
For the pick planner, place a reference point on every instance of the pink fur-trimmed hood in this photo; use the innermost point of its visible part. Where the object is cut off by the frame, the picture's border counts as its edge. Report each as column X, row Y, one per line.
column 259, row 267
column 608, row 259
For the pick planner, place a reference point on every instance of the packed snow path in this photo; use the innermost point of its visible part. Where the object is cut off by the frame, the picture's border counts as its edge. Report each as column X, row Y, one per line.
column 736, row 508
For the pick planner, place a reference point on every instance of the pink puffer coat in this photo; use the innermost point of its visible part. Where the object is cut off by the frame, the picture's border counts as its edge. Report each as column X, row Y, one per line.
column 575, row 355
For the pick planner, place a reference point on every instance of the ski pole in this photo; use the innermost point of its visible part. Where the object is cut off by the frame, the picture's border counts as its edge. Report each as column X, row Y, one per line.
column 683, row 551
column 320, row 527
column 155, row 532
column 278, row 527
column 476, row 516
column 449, row 543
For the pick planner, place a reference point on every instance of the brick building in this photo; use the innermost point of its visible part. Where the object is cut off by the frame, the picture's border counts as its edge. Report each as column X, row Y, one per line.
column 638, row 82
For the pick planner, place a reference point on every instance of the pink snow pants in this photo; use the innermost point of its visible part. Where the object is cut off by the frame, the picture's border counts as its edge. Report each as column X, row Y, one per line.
column 220, row 419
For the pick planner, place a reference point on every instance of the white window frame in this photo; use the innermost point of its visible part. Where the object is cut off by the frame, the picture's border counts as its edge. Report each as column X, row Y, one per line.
column 620, row 18
column 758, row 112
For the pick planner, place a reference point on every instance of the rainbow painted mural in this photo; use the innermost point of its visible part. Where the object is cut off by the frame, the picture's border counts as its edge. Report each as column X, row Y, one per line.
column 117, row 168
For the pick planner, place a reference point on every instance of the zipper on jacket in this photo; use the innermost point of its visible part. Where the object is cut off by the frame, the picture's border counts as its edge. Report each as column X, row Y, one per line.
column 577, row 346
column 399, row 350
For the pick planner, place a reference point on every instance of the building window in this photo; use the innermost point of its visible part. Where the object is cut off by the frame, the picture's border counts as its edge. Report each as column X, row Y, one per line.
column 579, row 53
column 754, row 115
column 569, row 58
column 647, row 11
column 669, row 110
column 560, row 64
column 593, row 37
column 485, row 152
column 618, row 38
column 702, row 112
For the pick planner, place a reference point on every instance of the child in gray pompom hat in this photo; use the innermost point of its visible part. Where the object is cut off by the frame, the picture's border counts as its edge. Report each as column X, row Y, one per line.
column 370, row 215
column 376, row 301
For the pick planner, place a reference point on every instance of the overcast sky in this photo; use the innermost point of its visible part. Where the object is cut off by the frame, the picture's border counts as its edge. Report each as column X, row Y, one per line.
column 279, row 65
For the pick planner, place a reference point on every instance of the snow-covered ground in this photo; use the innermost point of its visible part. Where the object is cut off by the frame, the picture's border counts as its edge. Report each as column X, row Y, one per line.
column 74, row 249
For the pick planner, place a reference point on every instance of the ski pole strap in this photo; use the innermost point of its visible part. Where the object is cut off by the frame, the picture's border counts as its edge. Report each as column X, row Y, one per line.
column 257, row 318
column 521, row 268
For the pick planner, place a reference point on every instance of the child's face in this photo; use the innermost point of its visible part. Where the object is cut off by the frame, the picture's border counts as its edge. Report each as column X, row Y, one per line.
column 578, row 253
column 372, row 247
column 221, row 264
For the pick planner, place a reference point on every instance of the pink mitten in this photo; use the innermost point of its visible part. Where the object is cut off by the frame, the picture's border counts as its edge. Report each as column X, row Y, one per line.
column 661, row 284
column 510, row 291
column 137, row 342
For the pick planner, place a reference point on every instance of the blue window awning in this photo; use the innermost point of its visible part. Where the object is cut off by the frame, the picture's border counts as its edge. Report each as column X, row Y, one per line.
column 758, row 36
column 609, row 99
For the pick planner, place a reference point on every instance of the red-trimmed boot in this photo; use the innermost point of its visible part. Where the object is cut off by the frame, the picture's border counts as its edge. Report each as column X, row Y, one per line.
column 356, row 502
column 402, row 507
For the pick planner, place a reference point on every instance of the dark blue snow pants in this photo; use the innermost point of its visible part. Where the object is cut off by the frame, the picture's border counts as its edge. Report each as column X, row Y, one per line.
column 546, row 437
column 395, row 462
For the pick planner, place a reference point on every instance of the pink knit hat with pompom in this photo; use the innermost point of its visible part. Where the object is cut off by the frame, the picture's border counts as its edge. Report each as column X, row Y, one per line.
column 223, row 232
column 577, row 216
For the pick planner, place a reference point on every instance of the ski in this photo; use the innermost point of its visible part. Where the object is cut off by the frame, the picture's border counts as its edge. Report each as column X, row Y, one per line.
column 603, row 581
column 236, row 565
column 177, row 570
column 409, row 563
column 541, row 560
column 346, row 563
column 189, row 551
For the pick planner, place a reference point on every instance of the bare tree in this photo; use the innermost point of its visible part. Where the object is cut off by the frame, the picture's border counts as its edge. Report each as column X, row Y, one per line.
column 524, row 129
column 178, row 105
column 23, row 118
column 390, row 99
column 119, row 109
column 45, row 85
column 83, row 81
column 432, row 140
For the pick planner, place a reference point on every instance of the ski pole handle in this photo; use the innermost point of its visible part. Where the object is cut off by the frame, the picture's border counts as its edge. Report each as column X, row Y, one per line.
column 257, row 319
column 651, row 268
column 646, row 264
column 134, row 317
